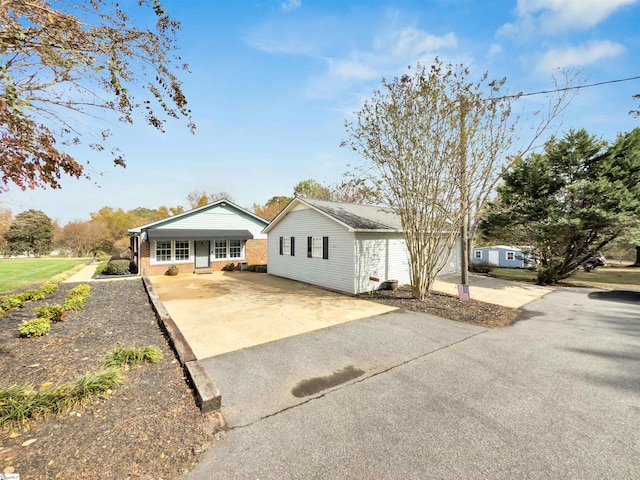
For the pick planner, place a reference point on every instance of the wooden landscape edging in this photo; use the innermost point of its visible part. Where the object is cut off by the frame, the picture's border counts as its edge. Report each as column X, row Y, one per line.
column 207, row 395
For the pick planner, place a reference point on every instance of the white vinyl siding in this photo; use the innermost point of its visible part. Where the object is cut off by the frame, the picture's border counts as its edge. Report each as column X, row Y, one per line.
column 336, row 272
column 218, row 218
column 383, row 256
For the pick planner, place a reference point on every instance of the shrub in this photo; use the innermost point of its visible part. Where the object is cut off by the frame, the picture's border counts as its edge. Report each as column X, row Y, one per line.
column 132, row 356
column 31, row 295
column 117, row 267
column 34, row 328
column 481, row 268
column 9, row 302
column 53, row 313
column 73, row 303
column 79, row 291
column 257, row 268
column 49, row 288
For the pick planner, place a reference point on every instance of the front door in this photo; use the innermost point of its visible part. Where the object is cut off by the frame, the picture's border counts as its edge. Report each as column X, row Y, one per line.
column 202, row 254
column 494, row 257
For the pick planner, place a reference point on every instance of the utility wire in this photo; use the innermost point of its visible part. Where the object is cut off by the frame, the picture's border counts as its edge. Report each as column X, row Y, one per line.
column 564, row 89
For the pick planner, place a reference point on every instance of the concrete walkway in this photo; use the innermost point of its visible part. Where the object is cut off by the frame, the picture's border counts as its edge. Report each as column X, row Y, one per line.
column 84, row 275
column 493, row 290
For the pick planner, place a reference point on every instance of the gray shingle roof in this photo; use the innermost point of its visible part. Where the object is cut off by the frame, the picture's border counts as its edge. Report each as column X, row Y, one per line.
column 359, row 217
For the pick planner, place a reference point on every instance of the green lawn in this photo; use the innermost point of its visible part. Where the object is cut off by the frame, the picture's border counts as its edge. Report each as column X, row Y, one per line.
column 602, row 276
column 21, row 272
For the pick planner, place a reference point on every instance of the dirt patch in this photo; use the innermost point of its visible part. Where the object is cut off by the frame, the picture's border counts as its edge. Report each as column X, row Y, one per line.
column 149, row 427
column 447, row 306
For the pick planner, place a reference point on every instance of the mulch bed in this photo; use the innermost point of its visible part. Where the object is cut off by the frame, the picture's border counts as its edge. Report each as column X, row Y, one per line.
column 447, row 306
column 149, row 427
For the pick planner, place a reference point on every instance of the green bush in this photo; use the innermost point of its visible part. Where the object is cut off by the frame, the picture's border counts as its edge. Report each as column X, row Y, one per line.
column 9, row 302
column 132, row 356
column 49, row 288
column 258, row 268
column 53, row 313
column 35, row 327
column 117, row 267
column 73, row 303
column 101, row 266
column 79, row 291
column 481, row 268
column 31, row 295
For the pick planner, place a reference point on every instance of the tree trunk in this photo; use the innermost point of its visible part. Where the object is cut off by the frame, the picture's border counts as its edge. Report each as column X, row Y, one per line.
column 637, row 264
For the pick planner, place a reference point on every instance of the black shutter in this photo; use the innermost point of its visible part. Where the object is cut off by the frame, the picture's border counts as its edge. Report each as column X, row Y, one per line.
column 293, row 246
column 325, row 248
column 280, row 245
column 309, row 247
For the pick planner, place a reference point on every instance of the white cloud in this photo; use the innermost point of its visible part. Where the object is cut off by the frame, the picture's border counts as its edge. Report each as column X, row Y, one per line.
column 495, row 49
column 289, row 5
column 551, row 16
column 578, row 56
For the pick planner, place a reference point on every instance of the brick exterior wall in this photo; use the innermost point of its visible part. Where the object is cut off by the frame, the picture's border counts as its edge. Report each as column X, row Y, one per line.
column 255, row 253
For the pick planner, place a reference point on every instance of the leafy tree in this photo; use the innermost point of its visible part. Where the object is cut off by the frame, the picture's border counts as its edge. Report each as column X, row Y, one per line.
column 31, row 232
column 5, row 221
column 312, row 189
column 269, row 210
column 82, row 238
column 432, row 141
column 570, row 201
column 61, row 59
column 199, row 198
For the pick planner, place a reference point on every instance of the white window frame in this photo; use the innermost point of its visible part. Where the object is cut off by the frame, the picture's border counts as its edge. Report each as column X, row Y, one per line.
column 185, row 252
column 477, row 254
column 511, row 256
column 172, row 252
column 159, row 257
column 316, row 247
column 227, row 249
column 286, row 245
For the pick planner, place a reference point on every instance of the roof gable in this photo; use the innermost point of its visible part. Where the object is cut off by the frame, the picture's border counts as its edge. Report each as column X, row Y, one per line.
column 353, row 216
column 196, row 211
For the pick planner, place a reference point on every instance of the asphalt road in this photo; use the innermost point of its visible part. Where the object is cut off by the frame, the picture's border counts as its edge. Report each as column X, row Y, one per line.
column 406, row 395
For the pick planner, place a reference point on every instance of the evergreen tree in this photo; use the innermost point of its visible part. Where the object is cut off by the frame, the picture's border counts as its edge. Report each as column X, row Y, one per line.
column 31, row 232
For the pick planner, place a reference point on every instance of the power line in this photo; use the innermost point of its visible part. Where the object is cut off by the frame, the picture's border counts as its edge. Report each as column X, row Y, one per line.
column 564, row 89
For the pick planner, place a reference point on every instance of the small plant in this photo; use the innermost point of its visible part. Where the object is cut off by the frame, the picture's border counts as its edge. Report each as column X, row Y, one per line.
column 230, row 267
column 9, row 302
column 132, row 356
column 35, row 327
column 31, row 295
column 21, row 403
column 49, row 288
column 79, row 291
column 73, row 303
column 53, row 313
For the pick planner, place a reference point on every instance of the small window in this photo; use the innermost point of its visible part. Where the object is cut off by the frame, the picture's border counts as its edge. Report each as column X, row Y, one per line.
column 316, row 247
column 163, row 251
column 220, row 249
column 182, row 250
column 478, row 253
column 286, row 245
column 235, row 248
column 511, row 255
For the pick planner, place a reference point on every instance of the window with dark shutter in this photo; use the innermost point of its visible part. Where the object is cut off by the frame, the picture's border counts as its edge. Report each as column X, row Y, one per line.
column 293, row 246
column 280, row 245
column 325, row 248
column 309, row 247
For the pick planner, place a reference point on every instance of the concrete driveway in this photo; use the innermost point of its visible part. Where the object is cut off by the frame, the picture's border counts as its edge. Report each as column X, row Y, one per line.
column 408, row 395
column 227, row 311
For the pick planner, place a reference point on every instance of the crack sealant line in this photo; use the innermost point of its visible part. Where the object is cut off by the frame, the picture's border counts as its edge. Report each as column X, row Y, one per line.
column 364, row 379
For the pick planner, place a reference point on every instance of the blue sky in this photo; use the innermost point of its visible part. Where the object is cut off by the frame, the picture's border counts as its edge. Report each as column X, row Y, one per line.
column 273, row 81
